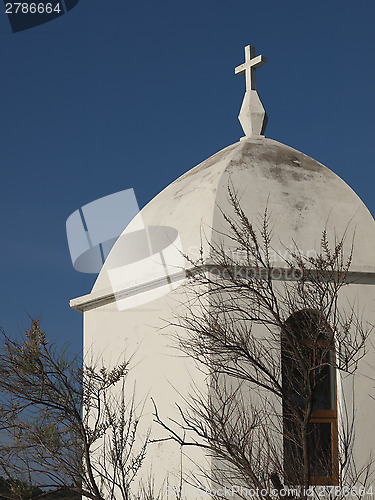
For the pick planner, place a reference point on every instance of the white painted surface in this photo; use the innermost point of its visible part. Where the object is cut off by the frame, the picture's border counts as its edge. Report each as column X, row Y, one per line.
column 303, row 198
column 252, row 114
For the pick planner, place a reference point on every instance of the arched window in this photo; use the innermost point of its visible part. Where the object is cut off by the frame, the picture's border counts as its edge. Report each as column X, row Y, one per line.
column 309, row 400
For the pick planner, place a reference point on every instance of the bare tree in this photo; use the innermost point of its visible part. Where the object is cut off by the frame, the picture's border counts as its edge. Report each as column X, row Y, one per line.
column 275, row 339
column 64, row 424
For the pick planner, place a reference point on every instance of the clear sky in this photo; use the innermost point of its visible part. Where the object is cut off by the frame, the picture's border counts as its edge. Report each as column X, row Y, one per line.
column 121, row 94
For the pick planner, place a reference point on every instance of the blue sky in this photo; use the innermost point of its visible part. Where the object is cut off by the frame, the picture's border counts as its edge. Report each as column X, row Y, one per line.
column 121, row 94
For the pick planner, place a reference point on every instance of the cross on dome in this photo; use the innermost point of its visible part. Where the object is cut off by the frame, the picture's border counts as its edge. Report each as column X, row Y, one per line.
column 252, row 115
column 249, row 66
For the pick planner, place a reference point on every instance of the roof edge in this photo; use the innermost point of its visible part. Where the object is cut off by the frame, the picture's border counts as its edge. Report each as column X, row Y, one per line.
column 360, row 276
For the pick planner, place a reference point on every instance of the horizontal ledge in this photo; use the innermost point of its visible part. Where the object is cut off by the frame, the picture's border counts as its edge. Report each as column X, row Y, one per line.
column 98, row 299
column 365, row 276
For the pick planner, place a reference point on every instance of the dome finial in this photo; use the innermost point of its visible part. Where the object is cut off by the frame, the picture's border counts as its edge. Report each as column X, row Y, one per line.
column 252, row 115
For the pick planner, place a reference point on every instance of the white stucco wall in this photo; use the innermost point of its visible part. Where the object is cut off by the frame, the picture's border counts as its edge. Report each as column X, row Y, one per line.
column 302, row 198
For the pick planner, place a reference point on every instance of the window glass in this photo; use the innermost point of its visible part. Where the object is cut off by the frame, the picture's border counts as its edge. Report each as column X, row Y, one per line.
column 308, row 374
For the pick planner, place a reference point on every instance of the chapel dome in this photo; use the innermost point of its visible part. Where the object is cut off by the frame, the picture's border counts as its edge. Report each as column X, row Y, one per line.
column 302, row 197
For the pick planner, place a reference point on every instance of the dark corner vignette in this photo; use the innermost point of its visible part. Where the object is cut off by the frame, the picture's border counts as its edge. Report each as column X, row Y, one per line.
column 28, row 14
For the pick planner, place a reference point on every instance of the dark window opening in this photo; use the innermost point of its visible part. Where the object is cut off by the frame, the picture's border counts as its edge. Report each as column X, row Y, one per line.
column 309, row 385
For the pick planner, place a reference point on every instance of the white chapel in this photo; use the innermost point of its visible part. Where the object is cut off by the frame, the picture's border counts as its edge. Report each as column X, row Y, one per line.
column 142, row 284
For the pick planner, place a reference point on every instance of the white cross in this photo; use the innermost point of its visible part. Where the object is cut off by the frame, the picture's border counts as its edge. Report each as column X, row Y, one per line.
column 249, row 67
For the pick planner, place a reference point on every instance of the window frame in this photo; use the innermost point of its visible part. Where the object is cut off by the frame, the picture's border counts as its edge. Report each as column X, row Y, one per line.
column 319, row 415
